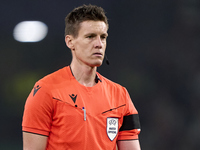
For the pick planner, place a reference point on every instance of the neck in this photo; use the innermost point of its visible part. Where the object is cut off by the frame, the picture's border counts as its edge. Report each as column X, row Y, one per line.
column 84, row 74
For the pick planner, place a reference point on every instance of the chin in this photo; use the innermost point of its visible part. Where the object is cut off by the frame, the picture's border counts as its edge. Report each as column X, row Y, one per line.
column 99, row 65
column 96, row 64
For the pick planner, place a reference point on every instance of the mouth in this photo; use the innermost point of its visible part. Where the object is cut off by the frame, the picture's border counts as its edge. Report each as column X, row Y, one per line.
column 98, row 54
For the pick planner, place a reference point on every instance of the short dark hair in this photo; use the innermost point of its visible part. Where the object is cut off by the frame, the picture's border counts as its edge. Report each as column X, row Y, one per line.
column 83, row 13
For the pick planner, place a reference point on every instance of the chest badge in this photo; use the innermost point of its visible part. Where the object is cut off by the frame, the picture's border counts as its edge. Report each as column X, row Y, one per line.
column 73, row 97
column 112, row 128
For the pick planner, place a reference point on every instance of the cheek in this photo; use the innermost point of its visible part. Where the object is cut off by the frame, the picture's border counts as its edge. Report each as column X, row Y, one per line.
column 104, row 44
column 104, row 47
column 81, row 46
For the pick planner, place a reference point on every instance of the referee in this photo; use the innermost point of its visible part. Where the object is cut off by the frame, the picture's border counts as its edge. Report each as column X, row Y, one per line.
column 76, row 108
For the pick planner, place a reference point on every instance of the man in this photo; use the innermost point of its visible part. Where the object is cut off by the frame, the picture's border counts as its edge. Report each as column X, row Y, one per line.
column 75, row 108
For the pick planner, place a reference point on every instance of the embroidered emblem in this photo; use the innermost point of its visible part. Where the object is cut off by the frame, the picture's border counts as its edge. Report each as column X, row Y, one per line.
column 73, row 97
column 112, row 128
column 36, row 89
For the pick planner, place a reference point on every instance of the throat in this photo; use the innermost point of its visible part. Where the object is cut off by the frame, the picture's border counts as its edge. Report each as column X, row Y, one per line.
column 87, row 79
column 91, row 84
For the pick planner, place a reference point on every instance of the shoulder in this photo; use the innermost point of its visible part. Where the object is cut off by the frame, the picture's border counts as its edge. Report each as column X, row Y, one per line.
column 111, row 84
column 54, row 79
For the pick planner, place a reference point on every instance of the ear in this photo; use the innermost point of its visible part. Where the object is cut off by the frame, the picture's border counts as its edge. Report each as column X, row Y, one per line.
column 69, row 41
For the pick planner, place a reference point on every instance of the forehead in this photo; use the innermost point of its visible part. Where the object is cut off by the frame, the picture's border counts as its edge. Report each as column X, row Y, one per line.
column 93, row 27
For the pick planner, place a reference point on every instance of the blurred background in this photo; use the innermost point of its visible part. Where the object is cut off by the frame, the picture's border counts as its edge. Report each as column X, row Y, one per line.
column 153, row 49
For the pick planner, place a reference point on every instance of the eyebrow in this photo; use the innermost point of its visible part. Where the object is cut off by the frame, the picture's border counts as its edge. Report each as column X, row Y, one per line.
column 94, row 34
column 105, row 34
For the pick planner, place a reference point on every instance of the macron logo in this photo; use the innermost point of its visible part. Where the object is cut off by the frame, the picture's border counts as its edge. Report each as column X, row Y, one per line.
column 73, row 97
column 36, row 89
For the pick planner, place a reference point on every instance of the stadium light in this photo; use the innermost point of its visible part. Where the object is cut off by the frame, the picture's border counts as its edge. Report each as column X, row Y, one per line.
column 30, row 31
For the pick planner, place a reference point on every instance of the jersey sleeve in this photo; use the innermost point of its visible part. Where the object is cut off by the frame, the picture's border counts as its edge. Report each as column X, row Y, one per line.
column 38, row 111
column 130, row 128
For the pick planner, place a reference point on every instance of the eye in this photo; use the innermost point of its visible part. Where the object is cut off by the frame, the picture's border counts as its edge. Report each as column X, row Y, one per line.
column 90, row 36
column 103, row 37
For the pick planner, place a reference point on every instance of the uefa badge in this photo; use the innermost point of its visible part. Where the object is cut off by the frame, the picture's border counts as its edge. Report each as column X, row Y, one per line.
column 112, row 128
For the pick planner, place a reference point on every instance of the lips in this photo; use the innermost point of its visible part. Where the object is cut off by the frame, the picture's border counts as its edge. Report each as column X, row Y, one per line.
column 99, row 54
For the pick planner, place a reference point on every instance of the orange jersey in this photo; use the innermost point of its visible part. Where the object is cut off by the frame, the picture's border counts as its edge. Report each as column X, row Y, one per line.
column 76, row 117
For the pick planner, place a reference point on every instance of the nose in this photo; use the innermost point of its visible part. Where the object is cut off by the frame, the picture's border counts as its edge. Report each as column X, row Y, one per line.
column 98, row 42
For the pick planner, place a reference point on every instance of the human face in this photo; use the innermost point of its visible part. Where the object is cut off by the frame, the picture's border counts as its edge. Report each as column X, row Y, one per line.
column 90, row 44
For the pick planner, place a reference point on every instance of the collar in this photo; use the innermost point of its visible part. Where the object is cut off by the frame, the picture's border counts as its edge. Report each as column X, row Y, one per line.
column 96, row 77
